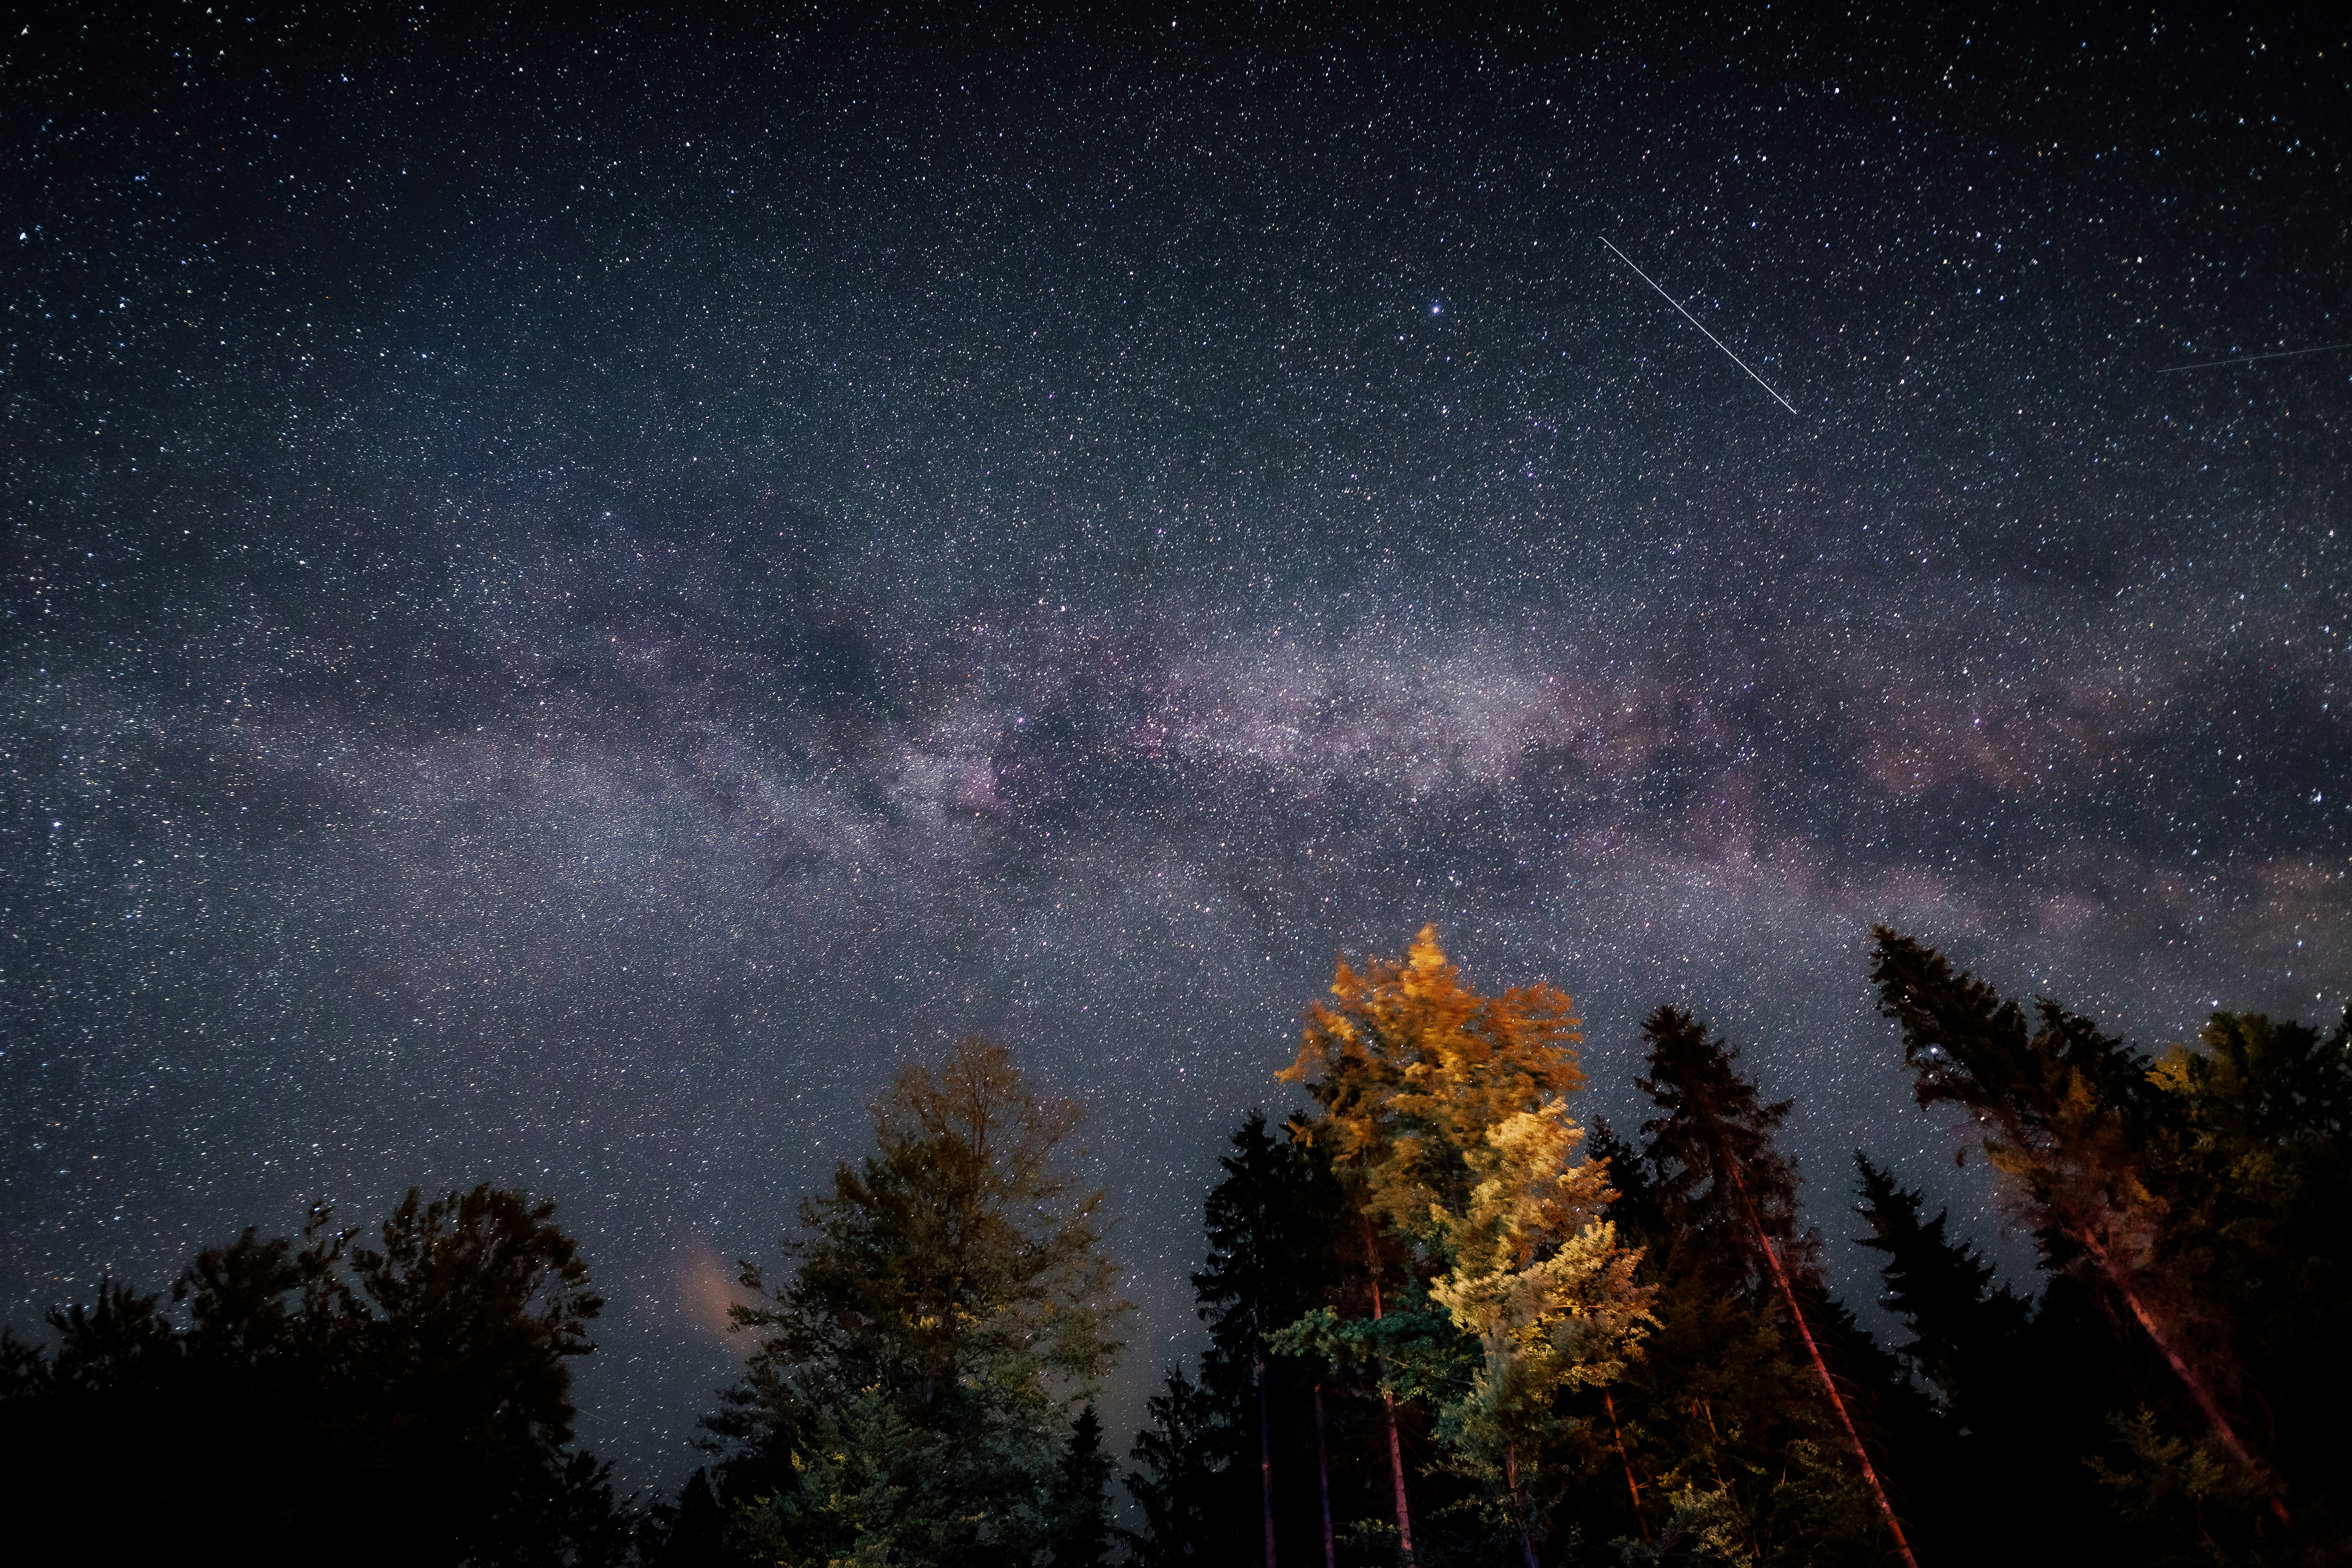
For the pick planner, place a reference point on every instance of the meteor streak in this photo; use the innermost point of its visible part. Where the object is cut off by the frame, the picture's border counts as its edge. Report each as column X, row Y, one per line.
column 1694, row 321
column 2244, row 359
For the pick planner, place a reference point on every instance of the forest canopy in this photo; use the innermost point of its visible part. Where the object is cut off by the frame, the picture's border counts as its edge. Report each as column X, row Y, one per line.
column 1448, row 1320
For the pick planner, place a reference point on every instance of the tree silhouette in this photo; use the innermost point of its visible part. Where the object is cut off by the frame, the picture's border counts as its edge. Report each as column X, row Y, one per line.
column 435, row 1365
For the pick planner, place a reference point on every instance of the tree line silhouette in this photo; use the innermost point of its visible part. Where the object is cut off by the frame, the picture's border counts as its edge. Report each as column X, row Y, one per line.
column 1447, row 1324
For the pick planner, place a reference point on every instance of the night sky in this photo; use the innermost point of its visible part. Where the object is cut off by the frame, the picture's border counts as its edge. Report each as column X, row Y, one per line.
column 578, row 592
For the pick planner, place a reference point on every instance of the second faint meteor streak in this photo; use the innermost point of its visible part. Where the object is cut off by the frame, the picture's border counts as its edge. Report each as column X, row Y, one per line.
column 1694, row 321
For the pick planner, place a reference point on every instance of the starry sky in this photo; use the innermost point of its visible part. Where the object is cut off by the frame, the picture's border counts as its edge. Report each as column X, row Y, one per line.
column 579, row 589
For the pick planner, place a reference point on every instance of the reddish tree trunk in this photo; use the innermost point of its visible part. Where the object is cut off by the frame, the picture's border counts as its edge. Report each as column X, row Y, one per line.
column 1631, row 1484
column 1805, row 1333
column 1388, row 1404
column 2121, row 1280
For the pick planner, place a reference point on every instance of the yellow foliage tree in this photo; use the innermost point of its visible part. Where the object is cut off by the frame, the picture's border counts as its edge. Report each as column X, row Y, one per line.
column 1445, row 1111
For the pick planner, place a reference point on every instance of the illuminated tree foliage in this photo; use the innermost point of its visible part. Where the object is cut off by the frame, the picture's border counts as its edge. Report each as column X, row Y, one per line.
column 1443, row 1114
column 1444, row 1323
column 947, row 1303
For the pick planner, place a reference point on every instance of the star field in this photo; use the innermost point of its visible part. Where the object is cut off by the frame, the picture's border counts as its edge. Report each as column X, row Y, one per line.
column 578, row 593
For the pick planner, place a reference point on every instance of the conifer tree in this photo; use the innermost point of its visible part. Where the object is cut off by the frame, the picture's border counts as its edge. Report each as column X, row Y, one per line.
column 1963, row 1326
column 2024, row 1391
column 1268, row 1222
column 2071, row 1117
column 1730, row 1262
column 1178, row 1465
column 1081, row 1530
column 2254, row 1177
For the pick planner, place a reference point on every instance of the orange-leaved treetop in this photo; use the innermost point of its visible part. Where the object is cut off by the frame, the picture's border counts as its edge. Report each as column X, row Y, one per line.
column 1443, row 1112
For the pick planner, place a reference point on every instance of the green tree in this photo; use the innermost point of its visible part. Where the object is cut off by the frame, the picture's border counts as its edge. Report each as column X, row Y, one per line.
column 948, row 1300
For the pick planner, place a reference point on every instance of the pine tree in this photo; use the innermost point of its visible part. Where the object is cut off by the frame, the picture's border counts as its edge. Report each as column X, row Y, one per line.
column 1178, row 1469
column 2024, row 1391
column 1080, row 1534
column 2071, row 1117
column 1268, row 1224
column 2253, row 1172
column 1963, row 1327
column 1730, row 1262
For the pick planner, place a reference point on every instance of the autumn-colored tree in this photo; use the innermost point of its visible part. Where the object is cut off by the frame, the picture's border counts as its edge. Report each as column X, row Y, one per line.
column 949, row 1301
column 1443, row 1112
column 1411, row 1070
column 1536, row 1275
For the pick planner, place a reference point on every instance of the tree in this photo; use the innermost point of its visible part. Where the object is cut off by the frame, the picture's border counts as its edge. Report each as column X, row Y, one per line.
column 692, row 1533
column 1445, row 1112
column 2253, row 1175
column 1080, row 1534
column 478, row 1304
column 2071, row 1117
column 1178, row 1465
column 2023, row 1390
column 1269, row 1224
column 1537, row 1278
column 1731, row 1409
column 436, row 1367
column 948, row 1300
column 1963, row 1327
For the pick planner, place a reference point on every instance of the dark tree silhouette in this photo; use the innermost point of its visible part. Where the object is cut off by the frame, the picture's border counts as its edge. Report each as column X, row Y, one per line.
column 1080, row 1529
column 436, row 1366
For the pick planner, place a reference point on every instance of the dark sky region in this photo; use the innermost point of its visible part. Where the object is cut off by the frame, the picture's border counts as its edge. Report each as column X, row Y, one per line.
column 579, row 590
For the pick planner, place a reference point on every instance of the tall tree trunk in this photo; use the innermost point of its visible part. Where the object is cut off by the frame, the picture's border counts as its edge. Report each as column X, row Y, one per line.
column 2120, row 1278
column 1518, row 1501
column 1631, row 1484
column 1323, row 1474
column 1788, row 1294
column 1264, row 1442
column 1388, row 1406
